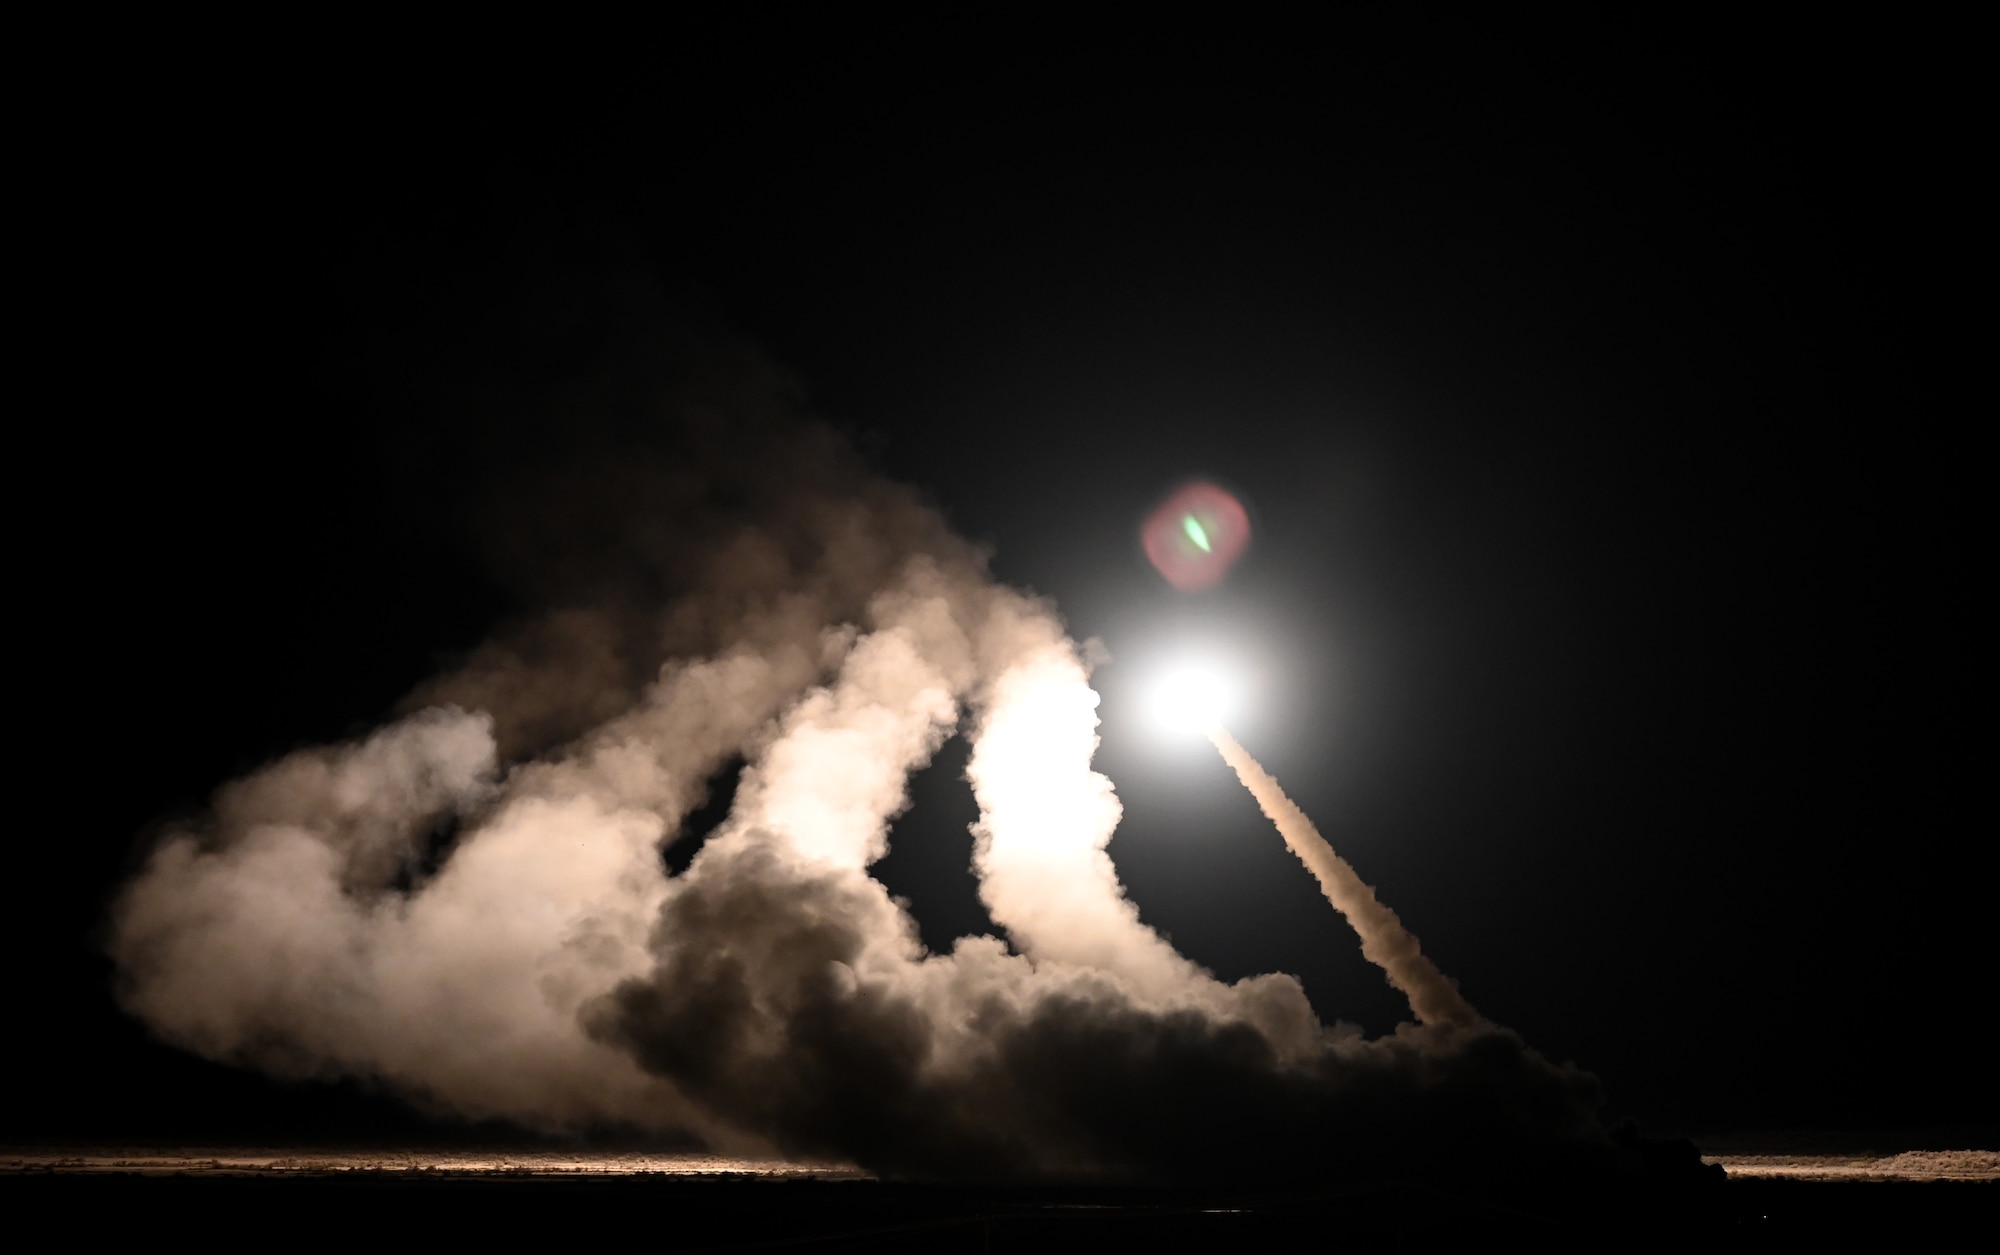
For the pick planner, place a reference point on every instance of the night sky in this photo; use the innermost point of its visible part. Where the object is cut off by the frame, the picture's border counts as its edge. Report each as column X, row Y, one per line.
column 1596, row 395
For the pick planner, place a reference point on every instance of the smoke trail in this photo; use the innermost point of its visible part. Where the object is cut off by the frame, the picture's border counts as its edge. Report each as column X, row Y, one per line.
column 1385, row 941
column 1046, row 818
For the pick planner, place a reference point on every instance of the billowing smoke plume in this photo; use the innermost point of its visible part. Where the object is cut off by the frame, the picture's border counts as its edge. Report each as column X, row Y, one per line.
column 1384, row 940
column 470, row 906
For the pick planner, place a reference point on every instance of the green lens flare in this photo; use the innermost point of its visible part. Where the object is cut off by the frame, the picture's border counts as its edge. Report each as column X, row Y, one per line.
column 1192, row 527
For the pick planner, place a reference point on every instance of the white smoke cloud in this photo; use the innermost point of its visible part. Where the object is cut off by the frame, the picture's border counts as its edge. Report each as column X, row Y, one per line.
column 542, row 966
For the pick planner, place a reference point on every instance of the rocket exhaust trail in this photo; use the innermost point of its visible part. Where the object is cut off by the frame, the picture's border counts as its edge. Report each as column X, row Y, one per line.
column 1384, row 940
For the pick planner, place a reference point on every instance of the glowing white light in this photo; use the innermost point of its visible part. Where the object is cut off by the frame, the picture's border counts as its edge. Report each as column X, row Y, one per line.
column 1193, row 698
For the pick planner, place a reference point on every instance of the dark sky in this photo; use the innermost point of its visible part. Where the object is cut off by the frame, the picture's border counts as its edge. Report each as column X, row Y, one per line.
column 1596, row 393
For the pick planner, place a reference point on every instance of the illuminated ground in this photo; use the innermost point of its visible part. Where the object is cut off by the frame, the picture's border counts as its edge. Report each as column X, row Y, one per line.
column 242, row 1161
column 255, row 1198
column 1913, row 1165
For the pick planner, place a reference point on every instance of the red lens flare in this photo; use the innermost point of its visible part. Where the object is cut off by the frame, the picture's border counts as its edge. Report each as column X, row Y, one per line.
column 1196, row 535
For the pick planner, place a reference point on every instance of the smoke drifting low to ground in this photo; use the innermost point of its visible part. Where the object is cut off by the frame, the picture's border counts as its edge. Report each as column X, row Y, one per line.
column 470, row 905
